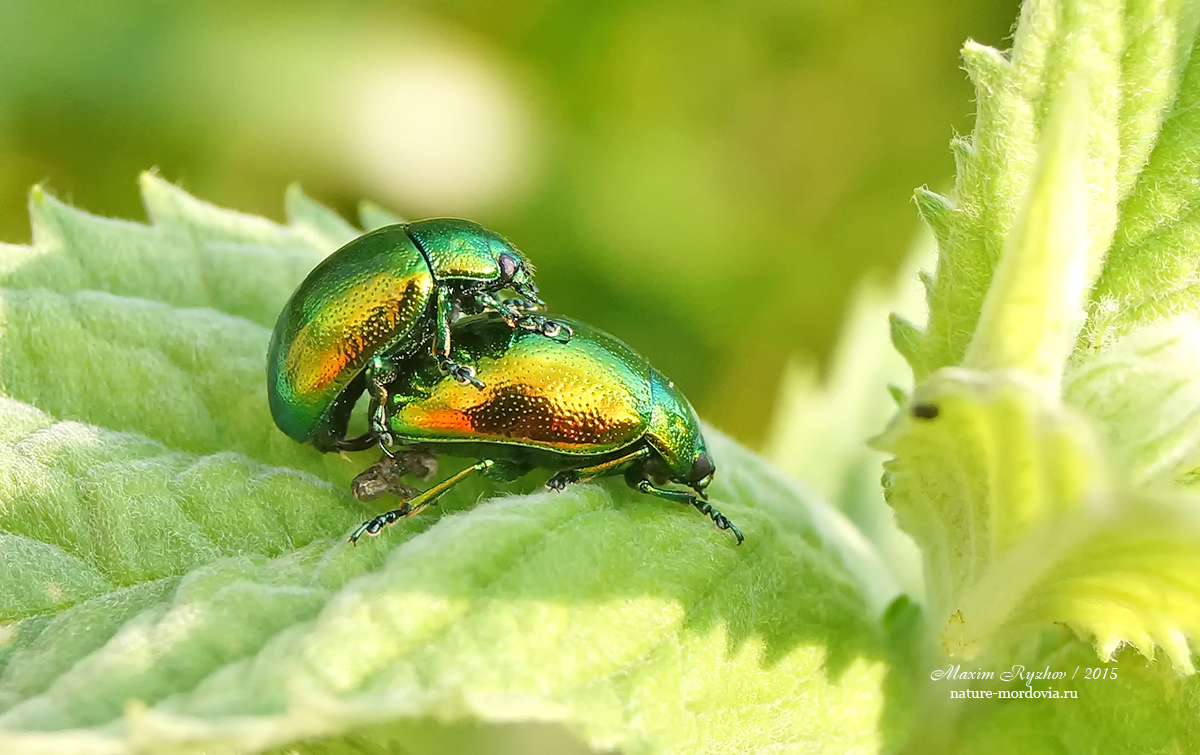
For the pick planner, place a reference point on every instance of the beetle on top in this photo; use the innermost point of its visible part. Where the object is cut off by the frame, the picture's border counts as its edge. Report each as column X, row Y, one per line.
column 380, row 298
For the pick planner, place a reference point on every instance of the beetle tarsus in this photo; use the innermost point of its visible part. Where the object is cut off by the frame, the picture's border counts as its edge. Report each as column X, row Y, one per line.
column 521, row 305
column 374, row 526
column 530, row 293
column 463, row 373
column 559, row 481
column 379, row 434
column 552, row 329
column 382, row 371
column 385, row 443
column 719, row 519
column 559, row 331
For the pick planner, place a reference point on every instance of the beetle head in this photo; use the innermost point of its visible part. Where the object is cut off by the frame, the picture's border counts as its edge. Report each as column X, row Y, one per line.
column 516, row 273
column 474, row 258
column 702, row 473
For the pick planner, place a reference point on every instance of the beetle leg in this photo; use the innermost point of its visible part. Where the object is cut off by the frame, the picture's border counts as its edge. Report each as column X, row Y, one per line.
column 529, row 292
column 518, row 313
column 679, row 496
column 415, row 505
column 518, row 318
column 523, row 305
column 377, row 413
column 380, row 371
column 510, row 309
column 582, row 474
column 562, row 332
column 515, row 309
column 441, row 342
column 373, row 526
column 441, row 334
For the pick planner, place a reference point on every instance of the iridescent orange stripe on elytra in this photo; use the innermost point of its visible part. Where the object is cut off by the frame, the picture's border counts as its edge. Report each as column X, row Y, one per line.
column 444, row 420
column 338, row 337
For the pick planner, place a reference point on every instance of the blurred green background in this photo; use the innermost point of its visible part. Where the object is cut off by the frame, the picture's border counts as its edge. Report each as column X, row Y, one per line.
column 706, row 180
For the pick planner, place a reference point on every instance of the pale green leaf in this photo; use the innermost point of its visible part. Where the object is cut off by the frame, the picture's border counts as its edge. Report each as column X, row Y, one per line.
column 853, row 398
column 1046, row 459
column 1151, row 269
column 1023, row 524
column 193, row 255
column 373, row 216
column 327, row 229
column 1034, row 306
column 1145, row 393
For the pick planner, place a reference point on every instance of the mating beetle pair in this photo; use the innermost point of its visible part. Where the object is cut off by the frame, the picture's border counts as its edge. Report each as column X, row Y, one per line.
column 514, row 389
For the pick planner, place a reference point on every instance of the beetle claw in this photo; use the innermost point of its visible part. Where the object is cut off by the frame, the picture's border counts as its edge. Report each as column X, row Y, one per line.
column 463, row 373
column 466, row 375
column 385, row 442
column 561, row 331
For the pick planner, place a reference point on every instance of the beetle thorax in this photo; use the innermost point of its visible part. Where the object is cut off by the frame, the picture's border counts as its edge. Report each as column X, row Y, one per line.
column 674, row 430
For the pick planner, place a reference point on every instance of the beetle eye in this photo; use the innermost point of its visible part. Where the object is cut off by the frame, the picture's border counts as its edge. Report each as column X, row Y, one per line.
column 508, row 267
column 702, row 468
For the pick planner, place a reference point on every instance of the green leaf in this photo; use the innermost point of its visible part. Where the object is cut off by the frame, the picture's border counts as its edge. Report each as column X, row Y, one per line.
column 1130, row 58
column 177, row 577
column 1150, row 271
column 1046, row 477
column 1023, row 525
column 1131, row 705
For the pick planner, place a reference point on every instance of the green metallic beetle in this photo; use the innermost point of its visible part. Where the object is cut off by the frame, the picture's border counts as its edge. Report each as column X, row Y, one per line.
column 585, row 408
column 381, row 298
